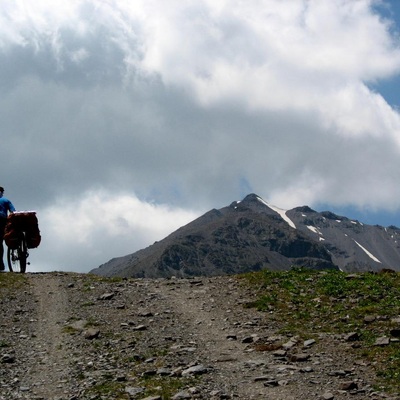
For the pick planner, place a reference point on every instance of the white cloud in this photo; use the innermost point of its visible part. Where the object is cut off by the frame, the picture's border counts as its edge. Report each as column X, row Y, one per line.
column 98, row 226
column 273, row 46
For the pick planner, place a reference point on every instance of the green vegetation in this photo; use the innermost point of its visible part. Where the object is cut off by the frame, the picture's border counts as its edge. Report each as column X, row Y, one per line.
column 90, row 281
column 166, row 387
column 307, row 302
column 9, row 282
column 109, row 389
column 70, row 330
column 155, row 385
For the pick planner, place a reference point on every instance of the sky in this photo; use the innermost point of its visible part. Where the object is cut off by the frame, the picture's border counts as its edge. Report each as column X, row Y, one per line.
column 123, row 120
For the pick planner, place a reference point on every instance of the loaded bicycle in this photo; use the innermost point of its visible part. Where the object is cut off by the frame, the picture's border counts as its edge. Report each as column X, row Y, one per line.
column 21, row 233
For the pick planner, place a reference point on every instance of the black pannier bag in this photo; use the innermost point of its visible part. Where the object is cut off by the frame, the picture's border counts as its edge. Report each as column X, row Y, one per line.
column 22, row 221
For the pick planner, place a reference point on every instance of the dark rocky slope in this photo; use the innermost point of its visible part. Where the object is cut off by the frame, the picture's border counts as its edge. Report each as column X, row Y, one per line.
column 251, row 235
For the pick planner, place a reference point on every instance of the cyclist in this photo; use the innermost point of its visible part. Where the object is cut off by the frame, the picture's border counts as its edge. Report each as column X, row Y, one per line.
column 5, row 207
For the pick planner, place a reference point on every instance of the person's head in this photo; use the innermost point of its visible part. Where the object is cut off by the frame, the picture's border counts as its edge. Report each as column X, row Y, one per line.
column 1, row 191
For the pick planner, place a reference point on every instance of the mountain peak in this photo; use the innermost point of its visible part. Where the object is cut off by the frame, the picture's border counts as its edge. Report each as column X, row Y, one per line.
column 251, row 197
column 251, row 234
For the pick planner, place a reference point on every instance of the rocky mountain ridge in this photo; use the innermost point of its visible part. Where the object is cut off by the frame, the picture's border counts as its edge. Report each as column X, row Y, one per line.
column 251, row 235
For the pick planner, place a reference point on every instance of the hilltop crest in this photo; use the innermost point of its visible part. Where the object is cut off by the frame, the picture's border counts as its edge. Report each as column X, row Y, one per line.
column 251, row 235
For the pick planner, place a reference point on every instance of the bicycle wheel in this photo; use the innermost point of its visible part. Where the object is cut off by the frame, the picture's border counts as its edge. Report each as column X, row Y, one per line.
column 16, row 258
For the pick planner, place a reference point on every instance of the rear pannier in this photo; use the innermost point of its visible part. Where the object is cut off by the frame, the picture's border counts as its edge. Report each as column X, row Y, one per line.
column 22, row 221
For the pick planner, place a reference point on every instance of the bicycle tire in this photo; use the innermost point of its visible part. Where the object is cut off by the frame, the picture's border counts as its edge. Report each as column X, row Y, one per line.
column 16, row 258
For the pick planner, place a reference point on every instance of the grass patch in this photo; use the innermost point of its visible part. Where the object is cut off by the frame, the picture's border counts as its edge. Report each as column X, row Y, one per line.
column 70, row 330
column 11, row 282
column 166, row 387
column 307, row 302
column 92, row 281
column 109, row 389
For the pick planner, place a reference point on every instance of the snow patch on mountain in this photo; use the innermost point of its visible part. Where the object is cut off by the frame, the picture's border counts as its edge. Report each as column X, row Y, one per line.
column 280, row 211
column 317, row 231
column 314, row 229
column 367, row 252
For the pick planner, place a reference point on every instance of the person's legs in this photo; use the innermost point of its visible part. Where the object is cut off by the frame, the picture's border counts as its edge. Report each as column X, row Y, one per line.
column 3, row 222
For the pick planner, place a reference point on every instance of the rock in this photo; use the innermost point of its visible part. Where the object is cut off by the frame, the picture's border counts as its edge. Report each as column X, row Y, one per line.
column 196, row 282
column 150, row 372
column 369, row 319
column 352, row 337
column 338, row 373
column 180, row 349
column 290, row 344
column 139, row 328
column 194, row 390
column 271, row 383
column 182, row 395
column 91, row 333
column 327, row 396
column 145, row 314
column 307, row 369
column 195, row 370
column 395, row 332
column 263, row 378
column 299, row 357
column 106, row 296
column 347, row 386
column 219, row 395
column 177, row 371
column 280, row 353
column 248, row 339
column 382, row 341
column 7, row 359
column 78, row 325
column 134, row 391
column 163, row 372
column 309, row 343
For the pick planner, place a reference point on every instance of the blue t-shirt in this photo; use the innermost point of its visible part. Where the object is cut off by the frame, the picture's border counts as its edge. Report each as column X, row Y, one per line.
column 5, row 206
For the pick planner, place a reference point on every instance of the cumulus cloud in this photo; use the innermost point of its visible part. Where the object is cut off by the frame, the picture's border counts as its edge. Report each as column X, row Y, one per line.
column 193, row 105
column 100, row 226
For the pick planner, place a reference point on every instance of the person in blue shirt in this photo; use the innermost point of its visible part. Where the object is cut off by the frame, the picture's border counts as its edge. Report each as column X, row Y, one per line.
column 5, row 207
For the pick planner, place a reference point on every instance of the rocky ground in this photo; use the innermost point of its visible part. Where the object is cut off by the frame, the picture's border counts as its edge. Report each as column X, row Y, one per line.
column 72, row 336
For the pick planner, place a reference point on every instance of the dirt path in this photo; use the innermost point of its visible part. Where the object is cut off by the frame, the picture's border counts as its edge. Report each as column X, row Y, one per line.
column 217, row 325
column 80, row 337
column 50, row 372
column 227, row 336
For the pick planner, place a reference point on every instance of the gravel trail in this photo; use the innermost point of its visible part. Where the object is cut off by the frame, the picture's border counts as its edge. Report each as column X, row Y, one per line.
column 66, row 336
column 50, row 372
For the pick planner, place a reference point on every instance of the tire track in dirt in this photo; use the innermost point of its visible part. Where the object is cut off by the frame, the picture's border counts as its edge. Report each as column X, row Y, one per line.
column 49, row 374
column 211, row 316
